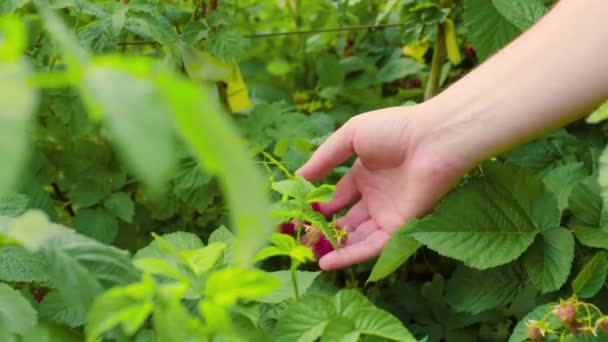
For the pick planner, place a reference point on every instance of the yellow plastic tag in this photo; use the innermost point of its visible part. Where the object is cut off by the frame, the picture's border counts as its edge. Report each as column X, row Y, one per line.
column 450, row 42
column 416, row 50
column 237, row 94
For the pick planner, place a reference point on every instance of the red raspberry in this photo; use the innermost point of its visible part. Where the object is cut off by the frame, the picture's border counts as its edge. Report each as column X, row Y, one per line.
column 316, row 206
column 322, row 247
column 470, row 50
column 565, row 312
column 287, row 228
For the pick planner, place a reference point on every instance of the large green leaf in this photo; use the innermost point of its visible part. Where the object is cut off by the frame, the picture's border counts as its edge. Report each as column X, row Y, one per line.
column 592, row 277
column 562, row 179
column 97, row 224
column 549, row 259
column 305, row 319
column 80, row 268
column 520, row 332
column 203, row 126
column 20, row 265
column 54, row 308
column 13, row 204
column 489, row 221
column 15, row 310
column 286, row 290
column 398, row 249
column 487, row 28
column 592, row 237
column 397, row 68
column 138, row 119
column 474, row 291
column 128, row 307
column 227, row 285
column 521, row 13
column 603, row 176
column 18, row 100
column 380, row 323
column 585, row 202
column 121, row 205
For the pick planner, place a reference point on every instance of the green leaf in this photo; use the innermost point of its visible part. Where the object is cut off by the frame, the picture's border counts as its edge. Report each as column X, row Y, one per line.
column 203, row 259
column 15, row 310
column 376, row 322
column 562, row 179
column 19, row 265
column 603, row 176
column 97, row 224
column 398, row 249
column 202, row 125
column 549, row 259
column 329, row 71
column 397, row 68
column 286, row 290
column 340, row 329
column 305, row 319
column 19, row 100
column 592, row 237
column 30, row 229
column 117, row 87
column 585, row 202
column 178, row 241
column 298, row 188
column 321, row 194
column 521, row 13
column 591, row 277
column 54, row 308
column 121, row 205
column 222, row 234
column 599, row 114
column 520, row 332
column 13, row 204
column 127, row 306
column 474, row 291
column 487, row 28
column 80, row 268
column 227, row 44
column 489, row 221
column 227, row 285
column 347, row 302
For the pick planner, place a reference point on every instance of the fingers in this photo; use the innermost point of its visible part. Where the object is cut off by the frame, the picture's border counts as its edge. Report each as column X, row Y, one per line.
column 361, row 232
column 346, row 193
column 355, row 216
column 356, row 253
column 334, row 151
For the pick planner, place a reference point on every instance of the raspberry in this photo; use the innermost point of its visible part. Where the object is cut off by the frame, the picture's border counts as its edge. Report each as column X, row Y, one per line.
column 316, row 206
column 565, row 312
column 313, row 234
column 471, row 52
column 602, row 324
column 322, row 247
column 535, row 333
column 574, row 327
column 287, row 228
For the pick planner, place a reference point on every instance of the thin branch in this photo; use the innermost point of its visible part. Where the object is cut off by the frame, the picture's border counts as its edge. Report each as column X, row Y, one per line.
column 335, row 29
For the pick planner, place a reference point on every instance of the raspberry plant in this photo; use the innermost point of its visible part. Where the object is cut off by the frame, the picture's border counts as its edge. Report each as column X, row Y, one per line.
column 147, row 188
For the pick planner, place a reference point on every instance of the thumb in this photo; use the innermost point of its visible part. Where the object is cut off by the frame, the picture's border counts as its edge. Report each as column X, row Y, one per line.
column 334, row 151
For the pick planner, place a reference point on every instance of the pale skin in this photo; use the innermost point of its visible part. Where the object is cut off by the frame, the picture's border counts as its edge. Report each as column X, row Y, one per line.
column 408, row 158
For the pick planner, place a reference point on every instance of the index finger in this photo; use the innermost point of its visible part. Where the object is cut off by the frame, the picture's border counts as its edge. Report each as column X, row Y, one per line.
column 333, row 152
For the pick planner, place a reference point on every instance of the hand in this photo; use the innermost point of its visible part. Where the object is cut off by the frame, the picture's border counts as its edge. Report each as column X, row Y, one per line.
column 404, row 167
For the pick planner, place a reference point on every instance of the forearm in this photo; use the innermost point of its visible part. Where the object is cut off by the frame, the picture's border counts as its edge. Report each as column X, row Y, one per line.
column 550, row 76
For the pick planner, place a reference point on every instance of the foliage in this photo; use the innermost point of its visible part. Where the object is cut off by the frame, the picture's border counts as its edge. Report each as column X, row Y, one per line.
column 147, row 187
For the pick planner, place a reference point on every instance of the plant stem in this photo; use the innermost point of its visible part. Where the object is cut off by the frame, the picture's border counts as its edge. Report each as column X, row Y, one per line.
column 439, row 54
column 432, row 84
column 294, row 279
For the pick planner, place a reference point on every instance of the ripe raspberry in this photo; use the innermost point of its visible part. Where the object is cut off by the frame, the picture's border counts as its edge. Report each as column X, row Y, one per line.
column 322, row 247
column 287, row 228
column 471, row 52
column 316, row 206
column 39, row 294
column 565, row 312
